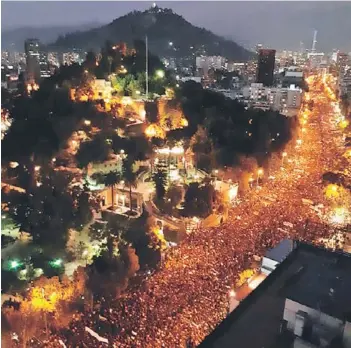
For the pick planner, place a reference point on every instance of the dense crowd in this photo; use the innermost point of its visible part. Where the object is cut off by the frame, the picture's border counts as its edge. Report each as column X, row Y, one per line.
column 182, row 302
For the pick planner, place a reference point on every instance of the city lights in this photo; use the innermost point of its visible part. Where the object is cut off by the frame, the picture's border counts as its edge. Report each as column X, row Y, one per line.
column 56, row 263
column 160, row 74
column 14, row 164
column 242, row 177
column 14, row 264
column 232, row 293
column 177, row 150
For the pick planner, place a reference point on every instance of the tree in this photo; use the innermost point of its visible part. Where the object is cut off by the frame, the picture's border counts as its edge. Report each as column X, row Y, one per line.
column 96, row 150
column 108, row 274
column 199, row 199
column 130, row 259
column 49, row 209
column 160, row 181
column 110, row 180
column 203, row 150
column 130, row 178
column 174, row 194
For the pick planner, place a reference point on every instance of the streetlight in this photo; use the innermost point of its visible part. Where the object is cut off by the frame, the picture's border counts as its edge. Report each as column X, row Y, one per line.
column 14, row 164
column 14, row 264
column 160, row 74
column 284, row 154
column 259, row 173
column 56, row 263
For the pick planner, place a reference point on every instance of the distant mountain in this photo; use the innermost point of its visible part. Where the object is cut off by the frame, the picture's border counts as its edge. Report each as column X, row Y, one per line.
column 169, row 35
column 14, row 38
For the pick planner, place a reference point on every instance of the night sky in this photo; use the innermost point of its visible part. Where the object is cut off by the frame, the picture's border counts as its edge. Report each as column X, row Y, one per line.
column 276, row 24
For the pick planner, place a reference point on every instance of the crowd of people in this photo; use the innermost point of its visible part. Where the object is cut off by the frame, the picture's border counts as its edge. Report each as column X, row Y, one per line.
column 178, row 305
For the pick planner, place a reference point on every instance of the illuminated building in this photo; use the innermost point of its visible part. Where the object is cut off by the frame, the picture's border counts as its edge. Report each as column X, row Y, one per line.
column 345, row 84
column 53, row 59
column 32, row 51
column 315, row 59
column 304, row 303
column 342, row 62
column 44, row 65
column 69, row 58
column 265, row 68
column 210, row 62
column 276, row 98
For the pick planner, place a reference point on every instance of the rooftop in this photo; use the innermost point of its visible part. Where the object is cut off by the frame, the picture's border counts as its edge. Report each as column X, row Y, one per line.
column 281, row 251
column 312, row 276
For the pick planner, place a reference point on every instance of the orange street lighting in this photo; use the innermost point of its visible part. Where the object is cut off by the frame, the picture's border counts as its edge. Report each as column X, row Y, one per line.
column 259, row 173
column 284, row 154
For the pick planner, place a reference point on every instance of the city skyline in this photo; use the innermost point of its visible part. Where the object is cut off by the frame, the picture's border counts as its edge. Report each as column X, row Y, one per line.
column 245, row 23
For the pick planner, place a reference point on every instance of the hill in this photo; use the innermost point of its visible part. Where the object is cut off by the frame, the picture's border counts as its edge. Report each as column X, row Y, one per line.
column 169, row 35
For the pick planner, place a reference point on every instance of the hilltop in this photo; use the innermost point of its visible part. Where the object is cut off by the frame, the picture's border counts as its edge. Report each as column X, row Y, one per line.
column 169, row 35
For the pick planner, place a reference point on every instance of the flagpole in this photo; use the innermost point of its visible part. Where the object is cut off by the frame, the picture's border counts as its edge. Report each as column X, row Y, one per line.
column 147, row 67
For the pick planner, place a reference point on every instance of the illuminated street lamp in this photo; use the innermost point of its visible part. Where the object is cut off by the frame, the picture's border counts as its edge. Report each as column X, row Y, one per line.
column 87, row 122
column 14, row 264
column 259, row 173
column 14, row 164
column 284, row 154
column 56, row 263
column 160, row 74
column 250, row 181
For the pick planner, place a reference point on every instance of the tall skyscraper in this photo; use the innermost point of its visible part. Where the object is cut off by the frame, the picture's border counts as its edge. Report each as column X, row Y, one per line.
column 31, row 49
column 265, row 67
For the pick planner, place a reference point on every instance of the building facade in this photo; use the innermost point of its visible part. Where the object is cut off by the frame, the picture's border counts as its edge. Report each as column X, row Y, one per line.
column 32, row 51
column 265, row 67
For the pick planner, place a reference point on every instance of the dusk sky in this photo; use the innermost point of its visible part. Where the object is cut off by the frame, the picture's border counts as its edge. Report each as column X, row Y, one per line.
column 272, row 23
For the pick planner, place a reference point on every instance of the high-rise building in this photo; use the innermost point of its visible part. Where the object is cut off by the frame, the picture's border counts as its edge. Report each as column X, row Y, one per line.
column 265, row 68
column 342, row 62
column 31, row 49
column 44, row 65
column 69, row 58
